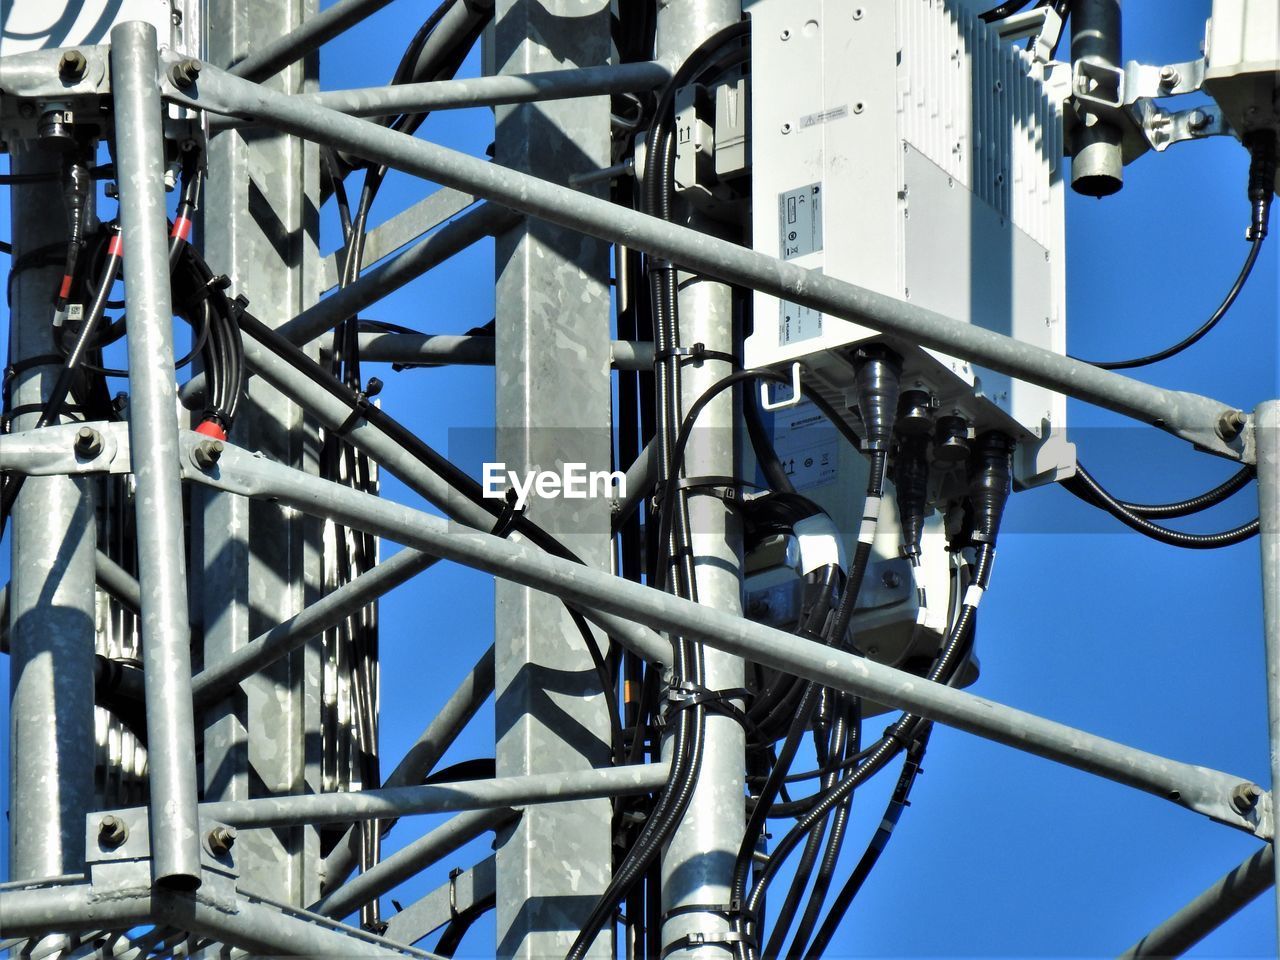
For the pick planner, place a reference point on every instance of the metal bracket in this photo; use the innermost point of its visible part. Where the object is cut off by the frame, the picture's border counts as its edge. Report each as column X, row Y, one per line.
column 70, row 79
column 1162, row 128
column 1142, row 80
column 66, row 449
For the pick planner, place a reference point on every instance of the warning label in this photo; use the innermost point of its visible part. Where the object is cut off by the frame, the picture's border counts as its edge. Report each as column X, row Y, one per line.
column 800, row 221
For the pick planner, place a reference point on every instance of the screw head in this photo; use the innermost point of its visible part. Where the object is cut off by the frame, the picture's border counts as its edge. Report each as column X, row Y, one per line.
column 221, row 840
column 207, row 453
column 72, row 65
column 112, row 832
column 88, row 442
column 1169, row 76
column 1246, row 796
column 1198, row 120
column 891, row 579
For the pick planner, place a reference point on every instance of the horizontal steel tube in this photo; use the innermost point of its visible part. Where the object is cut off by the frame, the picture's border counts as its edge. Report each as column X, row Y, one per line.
column 214, row 683
column 1192, row 417
column 439, row 797
column 70, row 909
column 487, row 91
column 315, row 31
column 117, row 581
column 427, row 348
column 483, row 221
column 406, row 862
column 1197, row 788
column 1218, row 904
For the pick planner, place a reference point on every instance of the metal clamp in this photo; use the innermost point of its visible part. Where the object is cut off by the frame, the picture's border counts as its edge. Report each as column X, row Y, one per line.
column 792, row 401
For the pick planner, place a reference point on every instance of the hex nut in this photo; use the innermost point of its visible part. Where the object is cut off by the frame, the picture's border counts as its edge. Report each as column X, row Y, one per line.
column 72, row 65
column 221, row 839
column 1245, row 797
column 184, row 72
column 207, row 453
column 88, row 443
column 112, row 832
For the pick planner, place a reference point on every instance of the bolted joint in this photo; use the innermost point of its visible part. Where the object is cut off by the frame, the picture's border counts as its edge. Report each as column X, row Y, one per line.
column 184, row 72
column 1230, row 424
column 112, row 832
column 1245, row 797
column 207, row 453
column 221, row 839
column 88, row 443
column 72, row 65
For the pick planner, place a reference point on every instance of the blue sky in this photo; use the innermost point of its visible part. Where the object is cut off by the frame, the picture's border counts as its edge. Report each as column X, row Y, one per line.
column 1001, row 853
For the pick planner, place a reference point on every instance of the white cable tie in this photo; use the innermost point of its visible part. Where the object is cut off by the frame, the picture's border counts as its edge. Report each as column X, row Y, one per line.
column 973, row 596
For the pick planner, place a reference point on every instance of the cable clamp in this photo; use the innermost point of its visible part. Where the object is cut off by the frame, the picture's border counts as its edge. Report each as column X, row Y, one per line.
column 454, row 874
column 694, row 354
column 359, row 407
column 724, row 938
column 511, row 512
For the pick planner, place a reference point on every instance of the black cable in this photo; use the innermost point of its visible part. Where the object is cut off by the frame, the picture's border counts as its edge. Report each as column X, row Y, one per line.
column 1195, row 337
column 1192, row 505
column 898, row 801
column 1086, row 488
column 1003, row 10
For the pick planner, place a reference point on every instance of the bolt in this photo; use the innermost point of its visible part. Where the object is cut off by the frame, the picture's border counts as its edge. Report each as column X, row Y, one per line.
column 184, row 72
column 221, row 840
column 72, row 65
column 1198, row 119
column 1245, row 796
column 891, row 579
column 1169, row 77
column 1230, row 424
column 88, row 442
column 785, row 35
column 112, row 832
column 207, row 453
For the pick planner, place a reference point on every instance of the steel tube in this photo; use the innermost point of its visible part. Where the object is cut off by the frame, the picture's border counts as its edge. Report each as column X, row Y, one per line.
column 438, row 348
column 457, row 235
column 215, row 682
column 486, row 91
column 406, row 862
column 1267, row 433
column 1189, row 416
column 117, row 581
column 1218, row 904
column 37, row 911
column 1197, row 788
column 50, row 616
column 697, row 863
column 1097, row 157
column 419, row 760
column 263, row 928
column 153, row 438
column 440, row 797
column 315, row 31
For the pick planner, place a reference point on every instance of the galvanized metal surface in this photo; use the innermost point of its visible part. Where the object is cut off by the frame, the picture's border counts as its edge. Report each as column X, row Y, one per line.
column 1191, row 417
column 50, row 618
column 1206, row 791
column 153, row 430
column 552, row 391
column 1267, row 426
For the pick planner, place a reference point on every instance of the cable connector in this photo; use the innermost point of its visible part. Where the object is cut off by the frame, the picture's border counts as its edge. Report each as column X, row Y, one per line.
column 878, row 372
column 1262, row 180
column 911, row 484
column 990, row 475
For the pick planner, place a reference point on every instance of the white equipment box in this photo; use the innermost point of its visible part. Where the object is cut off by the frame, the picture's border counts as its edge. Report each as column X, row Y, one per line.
column 903, row 146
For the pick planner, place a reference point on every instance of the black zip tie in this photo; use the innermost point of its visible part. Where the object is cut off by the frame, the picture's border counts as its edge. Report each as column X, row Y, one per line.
column 694, row 354
column 360, row 407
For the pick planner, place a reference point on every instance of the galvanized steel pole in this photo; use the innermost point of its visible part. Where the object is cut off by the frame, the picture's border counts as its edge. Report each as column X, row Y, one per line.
column 153, row 436
column 1267, row 431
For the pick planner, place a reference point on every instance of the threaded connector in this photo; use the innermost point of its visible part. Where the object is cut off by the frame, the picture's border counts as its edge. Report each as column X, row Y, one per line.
column 911, row 486
column 877, row 376
column 990, row 476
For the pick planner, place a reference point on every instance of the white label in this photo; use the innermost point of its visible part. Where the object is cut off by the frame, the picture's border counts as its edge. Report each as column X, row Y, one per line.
column 796, row 323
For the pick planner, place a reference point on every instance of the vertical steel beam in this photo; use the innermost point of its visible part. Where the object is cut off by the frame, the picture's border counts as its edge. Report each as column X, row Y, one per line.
column 553, row 400
column 51, row 594
column 1267, row 434
column 697, row 865
column 261, row 564
column 153, row 435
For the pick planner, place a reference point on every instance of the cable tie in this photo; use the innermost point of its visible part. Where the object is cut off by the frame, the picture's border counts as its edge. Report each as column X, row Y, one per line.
column 359, row 407
column 973, row 596
column 182, row 229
